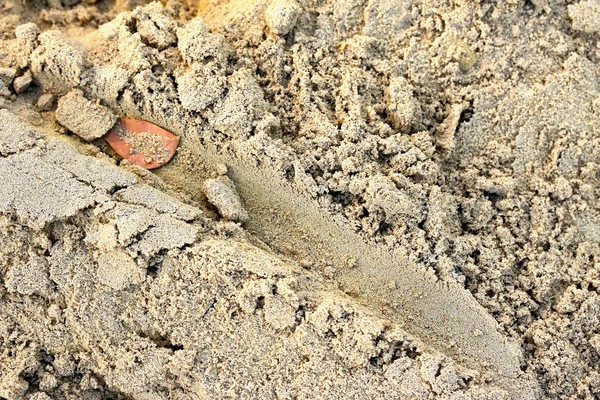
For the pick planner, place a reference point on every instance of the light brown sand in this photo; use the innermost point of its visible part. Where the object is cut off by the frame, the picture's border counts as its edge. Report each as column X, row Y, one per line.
column 418, row 185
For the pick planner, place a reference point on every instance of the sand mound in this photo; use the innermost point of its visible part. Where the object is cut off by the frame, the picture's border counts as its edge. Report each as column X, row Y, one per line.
column 413, row 185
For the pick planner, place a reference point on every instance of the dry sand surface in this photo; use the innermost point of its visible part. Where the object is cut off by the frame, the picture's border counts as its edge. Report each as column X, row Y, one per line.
column 371, row 199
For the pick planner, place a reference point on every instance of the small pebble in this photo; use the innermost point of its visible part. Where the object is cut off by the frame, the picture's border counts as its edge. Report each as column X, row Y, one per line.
column 45, row 102
column 22, row 83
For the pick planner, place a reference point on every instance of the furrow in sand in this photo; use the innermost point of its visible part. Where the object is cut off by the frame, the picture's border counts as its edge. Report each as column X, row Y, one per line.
column 442, row 314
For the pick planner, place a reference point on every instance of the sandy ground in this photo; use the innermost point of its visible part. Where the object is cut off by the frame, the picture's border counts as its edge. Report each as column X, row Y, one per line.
column 372, row 199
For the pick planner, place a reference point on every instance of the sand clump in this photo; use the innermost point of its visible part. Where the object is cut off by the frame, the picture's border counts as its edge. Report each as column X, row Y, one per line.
column 376, row 147
column 221, row 193
column 86, row 119
column 56, row 64
column 585, row 16
column 281, row 16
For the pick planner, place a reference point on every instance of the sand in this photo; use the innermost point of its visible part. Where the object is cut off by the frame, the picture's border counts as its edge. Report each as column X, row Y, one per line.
column 371, row 199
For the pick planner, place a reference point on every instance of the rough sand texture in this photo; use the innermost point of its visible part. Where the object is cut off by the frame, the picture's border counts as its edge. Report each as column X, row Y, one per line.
column 83, row 117
column 420, row 180
column 129, row 300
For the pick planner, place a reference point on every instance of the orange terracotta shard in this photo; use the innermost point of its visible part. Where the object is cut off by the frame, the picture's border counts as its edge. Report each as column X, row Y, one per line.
column 142, row 143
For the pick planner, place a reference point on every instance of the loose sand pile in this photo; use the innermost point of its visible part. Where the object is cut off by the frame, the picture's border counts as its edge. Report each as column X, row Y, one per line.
column 372, row 199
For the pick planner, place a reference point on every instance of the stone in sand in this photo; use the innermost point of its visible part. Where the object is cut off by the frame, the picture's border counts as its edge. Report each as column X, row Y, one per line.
column 22, row 83
column 7, row 75
column 45, row 102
